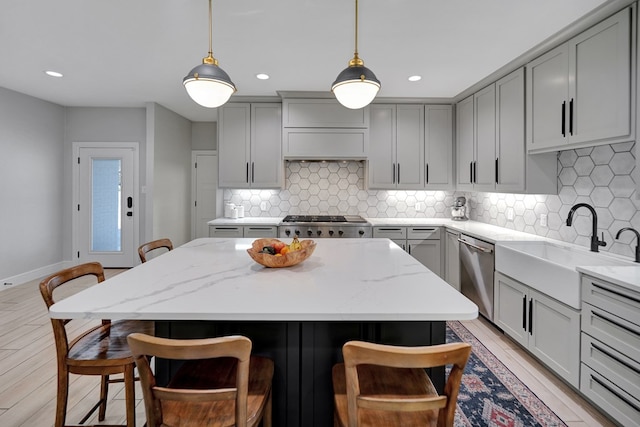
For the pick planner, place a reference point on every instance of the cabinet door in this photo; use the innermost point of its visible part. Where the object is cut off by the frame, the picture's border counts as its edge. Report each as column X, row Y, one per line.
column 510, row 308
column 410, row 147
column 382, row 146
column 438, row 147
column 427, row 252
column 547, row 91
column 234, row 135
column 600, row 60
column 510, row 133
column 485, row 139
column 452, row 260
column 555, row 336
column 464, row 143
column 266, row 146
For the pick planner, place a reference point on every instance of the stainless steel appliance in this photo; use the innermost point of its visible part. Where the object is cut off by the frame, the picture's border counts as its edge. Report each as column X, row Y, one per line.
column 459, row 210
column 477, row 263
column 321, row 226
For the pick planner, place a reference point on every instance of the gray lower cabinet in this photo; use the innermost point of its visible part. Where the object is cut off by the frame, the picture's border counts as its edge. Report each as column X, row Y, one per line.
column 235, row 231
column 452, row 259
column 544, row 326
column 423, row 243
column 610, row 350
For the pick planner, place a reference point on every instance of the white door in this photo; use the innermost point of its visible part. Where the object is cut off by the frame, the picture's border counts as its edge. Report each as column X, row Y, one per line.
column 107, row 206
column 205, row 191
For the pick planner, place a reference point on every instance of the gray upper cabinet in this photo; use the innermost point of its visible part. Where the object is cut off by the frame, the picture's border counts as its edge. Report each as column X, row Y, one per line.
column 579, row 94
column 491, row 142
column 250, row 145
column 396, row 147
column 438, row 147
column 465, row 150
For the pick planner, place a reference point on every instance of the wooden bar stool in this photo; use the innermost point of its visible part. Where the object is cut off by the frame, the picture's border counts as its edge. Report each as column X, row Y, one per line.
column 101, row 350
column 383, row 386
column 220, row 384
column 143, row 250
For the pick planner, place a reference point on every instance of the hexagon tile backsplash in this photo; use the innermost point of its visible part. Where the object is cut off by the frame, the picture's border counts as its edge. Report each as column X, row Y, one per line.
column 603, row 176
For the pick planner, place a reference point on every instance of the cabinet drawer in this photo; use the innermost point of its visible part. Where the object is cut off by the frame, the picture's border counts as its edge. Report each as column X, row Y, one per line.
column 390, row 232
column 621, row 406
column 618, row 368
column 225, row 231
column 614, row 299
column 425, row 233
column 260, row 231
column 612, row 330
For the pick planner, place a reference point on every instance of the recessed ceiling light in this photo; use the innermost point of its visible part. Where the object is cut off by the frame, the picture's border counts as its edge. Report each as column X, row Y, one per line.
column 262, row 76
column 415, row 78
column 53, row 73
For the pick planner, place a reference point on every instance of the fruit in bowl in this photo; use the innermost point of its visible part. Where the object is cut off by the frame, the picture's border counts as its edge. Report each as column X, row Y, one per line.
column 275, row 253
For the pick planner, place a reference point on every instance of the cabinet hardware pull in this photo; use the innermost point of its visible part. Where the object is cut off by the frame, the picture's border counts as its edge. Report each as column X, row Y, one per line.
column 531, row 316
column 247, row 172
column 394, row 174
column 422, row 229
column 426, row 176
column 615, row 393
column 471, row 172
column 571, row 117
column 398, row 173
column 612, row 356
column 475, row 172
column 614, row 323
column 524, row 312
column 564, row 104
column 620, row 294
column 253, row 173
column 481, row 249
column 390, row 229
column 496, row 170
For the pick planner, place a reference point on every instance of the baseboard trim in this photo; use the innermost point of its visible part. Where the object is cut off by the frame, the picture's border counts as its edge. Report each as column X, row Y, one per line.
column 38, row 273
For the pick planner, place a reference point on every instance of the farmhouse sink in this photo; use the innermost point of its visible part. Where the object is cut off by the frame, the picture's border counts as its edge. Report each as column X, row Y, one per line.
column 549, row 267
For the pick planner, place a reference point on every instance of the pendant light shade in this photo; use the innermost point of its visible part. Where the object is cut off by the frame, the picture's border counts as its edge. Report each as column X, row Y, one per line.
column 356, row 86
column 207, row 84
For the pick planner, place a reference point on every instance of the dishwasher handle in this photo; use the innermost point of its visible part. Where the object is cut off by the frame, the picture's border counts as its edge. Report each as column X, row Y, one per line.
column 480, row 248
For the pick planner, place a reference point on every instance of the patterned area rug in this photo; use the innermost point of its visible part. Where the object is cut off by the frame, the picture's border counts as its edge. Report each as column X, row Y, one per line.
column 491, row 395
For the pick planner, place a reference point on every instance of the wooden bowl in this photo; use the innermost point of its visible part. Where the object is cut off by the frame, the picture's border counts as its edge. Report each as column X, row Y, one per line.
column 286, row 260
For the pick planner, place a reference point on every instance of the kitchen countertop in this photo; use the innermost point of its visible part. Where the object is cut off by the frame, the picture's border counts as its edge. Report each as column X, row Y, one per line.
column 215, row 279
column 627, row 276
column 247, row 220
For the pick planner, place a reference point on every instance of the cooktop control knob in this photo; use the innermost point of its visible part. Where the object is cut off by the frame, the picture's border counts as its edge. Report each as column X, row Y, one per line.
column 297, row 232
column 361, row 232
column 340, row 232
column 319, row 232
column 330, row 232
column 287, row 232
column 309, row 232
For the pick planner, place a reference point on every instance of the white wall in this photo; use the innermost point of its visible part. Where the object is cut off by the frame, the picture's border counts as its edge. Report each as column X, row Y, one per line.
column 31, row 187
column 169, row 182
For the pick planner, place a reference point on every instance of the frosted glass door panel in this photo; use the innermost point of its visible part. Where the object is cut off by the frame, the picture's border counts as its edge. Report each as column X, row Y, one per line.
column 106, row 222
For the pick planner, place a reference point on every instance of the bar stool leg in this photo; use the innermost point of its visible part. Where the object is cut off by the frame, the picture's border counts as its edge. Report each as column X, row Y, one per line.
column 129, row 393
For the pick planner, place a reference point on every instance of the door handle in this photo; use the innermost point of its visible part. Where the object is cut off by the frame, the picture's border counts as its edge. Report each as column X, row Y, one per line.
column 129, row 202
column 129, row 213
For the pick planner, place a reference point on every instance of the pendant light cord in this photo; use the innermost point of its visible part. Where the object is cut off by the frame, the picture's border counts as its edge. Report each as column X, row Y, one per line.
column 355, row 53
column 210, row 30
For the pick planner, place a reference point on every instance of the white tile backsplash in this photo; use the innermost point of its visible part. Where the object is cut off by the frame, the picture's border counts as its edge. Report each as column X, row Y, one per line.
column 603, row 176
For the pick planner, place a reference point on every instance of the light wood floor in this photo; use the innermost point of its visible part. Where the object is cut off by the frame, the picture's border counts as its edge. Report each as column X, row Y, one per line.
column 28, row 369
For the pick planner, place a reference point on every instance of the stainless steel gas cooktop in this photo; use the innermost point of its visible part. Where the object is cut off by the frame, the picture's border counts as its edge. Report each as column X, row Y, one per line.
column 322, row 226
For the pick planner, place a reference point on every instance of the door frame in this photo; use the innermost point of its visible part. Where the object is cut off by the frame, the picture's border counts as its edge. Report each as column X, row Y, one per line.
column 75, row 189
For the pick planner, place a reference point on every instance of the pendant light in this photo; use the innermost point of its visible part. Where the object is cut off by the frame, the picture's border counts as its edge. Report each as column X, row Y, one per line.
column 356, row 86
column 207, row 84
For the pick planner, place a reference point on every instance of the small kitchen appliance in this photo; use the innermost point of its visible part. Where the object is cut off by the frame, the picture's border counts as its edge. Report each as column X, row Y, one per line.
column 459, row 210
column 323, row 226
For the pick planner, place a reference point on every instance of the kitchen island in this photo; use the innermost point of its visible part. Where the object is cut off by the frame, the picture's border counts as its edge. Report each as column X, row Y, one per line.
column 300, row 316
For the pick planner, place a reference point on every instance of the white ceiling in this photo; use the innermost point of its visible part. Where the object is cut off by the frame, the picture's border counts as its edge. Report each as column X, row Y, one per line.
column 123, row 53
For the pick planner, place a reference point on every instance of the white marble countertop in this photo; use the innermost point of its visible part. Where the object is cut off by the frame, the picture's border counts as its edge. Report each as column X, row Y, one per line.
column 247, row 220
column 215, row 279
column 625, row 276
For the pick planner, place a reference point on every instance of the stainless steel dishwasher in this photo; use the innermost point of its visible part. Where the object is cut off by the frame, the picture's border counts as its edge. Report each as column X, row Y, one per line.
column 477, row 263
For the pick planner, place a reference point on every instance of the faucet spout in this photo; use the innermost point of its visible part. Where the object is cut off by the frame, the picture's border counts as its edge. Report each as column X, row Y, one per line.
column 637, row 239
column 595, row 242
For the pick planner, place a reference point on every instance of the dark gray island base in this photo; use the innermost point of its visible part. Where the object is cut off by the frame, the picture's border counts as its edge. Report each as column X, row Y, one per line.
column 304, row 353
